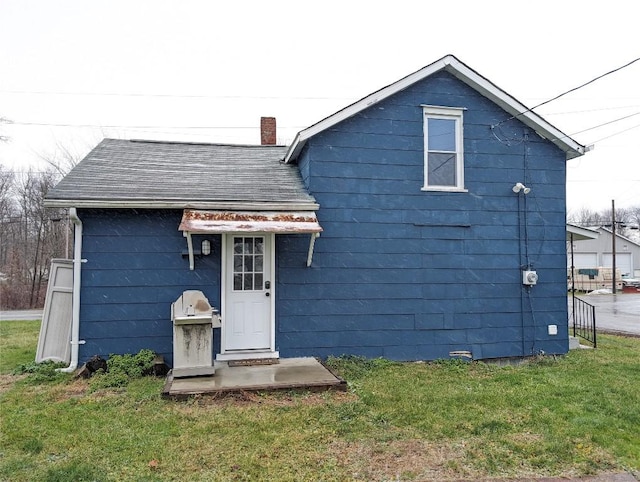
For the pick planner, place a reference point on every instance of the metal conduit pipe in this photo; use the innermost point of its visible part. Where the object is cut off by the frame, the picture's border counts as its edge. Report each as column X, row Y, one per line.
column 75, row 309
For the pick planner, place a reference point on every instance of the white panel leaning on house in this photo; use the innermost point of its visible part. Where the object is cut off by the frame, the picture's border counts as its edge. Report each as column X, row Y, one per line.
column 54, row 342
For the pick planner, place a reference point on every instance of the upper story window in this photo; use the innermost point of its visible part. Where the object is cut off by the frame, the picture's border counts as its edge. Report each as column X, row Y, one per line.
column 443, row 156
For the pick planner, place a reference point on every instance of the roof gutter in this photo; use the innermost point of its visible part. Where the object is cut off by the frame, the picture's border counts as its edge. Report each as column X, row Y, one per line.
column 75, row 306
column 146, row 204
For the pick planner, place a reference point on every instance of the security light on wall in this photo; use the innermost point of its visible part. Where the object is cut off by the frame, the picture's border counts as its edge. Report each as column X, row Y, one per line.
column 206, row 247
column 521, row 187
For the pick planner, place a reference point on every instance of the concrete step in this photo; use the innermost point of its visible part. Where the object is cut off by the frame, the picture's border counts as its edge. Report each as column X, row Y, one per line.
column 574, row 343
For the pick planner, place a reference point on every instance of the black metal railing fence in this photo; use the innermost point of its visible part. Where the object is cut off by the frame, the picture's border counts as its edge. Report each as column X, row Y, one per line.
column 584, row 320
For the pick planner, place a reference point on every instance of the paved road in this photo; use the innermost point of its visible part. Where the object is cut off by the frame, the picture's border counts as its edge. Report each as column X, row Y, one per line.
column 21, row 315
column 619, row 313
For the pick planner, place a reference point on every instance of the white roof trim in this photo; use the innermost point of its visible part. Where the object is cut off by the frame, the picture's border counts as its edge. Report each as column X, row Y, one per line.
column 467, row 75
column 580, row 233
column 231, row 206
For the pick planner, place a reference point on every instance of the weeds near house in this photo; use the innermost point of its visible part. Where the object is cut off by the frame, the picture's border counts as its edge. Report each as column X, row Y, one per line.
column 44, row 372
column 121, row 369
column 572, row 415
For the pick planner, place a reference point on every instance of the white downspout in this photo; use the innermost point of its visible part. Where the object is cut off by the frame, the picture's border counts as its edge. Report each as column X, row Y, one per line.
column 75, row 307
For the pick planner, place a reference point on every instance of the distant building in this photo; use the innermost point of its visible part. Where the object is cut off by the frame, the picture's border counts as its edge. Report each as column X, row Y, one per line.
column 593, row 253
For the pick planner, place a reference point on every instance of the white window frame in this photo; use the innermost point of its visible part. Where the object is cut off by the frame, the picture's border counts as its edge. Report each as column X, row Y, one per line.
column 450, row 113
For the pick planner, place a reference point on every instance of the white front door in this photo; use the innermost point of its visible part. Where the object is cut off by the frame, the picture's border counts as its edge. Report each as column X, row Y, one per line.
column 247, row 323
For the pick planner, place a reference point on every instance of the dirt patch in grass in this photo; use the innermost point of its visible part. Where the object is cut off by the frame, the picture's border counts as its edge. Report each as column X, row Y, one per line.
column 275, row 399
column 7, row 381
column 75, row 389
column 402, row 460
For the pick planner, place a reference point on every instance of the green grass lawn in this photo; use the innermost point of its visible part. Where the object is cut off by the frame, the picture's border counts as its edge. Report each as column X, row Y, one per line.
column 575, row 415
column 18, row 342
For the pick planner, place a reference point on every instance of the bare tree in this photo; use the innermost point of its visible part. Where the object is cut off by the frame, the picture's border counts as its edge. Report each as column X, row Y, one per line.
column 622, row 217
column 29, row 237
column 630, row 226
column 31, row 190
column 62, row 159
column 30, row 234
column 586, row 217
column 7, row 211
column 4, row 120
column 627, row 220
column 634, row 215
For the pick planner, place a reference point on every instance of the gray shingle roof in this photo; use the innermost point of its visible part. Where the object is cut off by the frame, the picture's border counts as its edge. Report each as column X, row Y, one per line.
column 148, row 173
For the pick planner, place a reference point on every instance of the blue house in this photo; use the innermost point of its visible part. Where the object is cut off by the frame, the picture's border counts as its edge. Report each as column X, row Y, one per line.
column 425, row 221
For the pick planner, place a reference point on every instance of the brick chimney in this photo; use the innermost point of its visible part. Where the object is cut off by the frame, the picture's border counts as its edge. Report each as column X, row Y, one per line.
column 268, row 131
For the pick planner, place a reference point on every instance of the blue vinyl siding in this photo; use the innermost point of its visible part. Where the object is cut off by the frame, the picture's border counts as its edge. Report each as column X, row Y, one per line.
column 397, row 272
column 407, row 274
column 134, row 271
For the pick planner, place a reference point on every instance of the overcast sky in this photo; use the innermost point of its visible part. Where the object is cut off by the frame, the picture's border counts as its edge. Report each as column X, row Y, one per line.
column 73, row 72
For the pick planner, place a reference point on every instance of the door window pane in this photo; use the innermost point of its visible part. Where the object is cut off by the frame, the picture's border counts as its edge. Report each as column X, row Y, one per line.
column 237, row 245
column 237, row 263
column 237, row 282
column 248, row 282
column 248, row 263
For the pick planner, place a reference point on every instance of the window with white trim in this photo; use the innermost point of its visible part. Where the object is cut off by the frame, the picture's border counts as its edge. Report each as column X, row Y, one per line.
column 443, row 153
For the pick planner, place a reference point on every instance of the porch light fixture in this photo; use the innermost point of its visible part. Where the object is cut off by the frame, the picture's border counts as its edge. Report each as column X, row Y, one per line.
column 521, row 187
column 206, row 247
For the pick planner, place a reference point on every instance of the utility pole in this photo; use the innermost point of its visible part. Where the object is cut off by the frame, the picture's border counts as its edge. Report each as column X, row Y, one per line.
column 613, row 245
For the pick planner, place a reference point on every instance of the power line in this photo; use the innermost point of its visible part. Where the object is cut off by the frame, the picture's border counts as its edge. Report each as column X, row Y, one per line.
column 600, row 180
column 569, row 91
column 180, row 96
column 591, row 110
column 604, row 124
column 114, row 126
column 615, row 134
column 274, row 98
column 587, row 83
column 55, row 124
